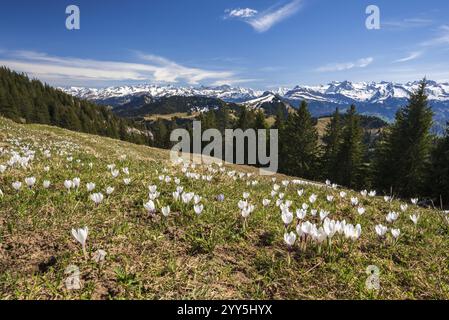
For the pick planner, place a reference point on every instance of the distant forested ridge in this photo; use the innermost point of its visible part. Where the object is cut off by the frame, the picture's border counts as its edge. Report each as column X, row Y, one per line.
column 30, row 101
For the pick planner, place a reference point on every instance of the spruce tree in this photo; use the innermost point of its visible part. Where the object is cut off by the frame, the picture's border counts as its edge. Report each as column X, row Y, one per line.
column 349, row 156
column 331, row 140
column 402, row 160
column 299, row 144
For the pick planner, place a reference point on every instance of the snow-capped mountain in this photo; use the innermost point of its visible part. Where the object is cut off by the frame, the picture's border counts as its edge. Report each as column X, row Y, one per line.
column 334, row 92
column 344, row 92
column 123, row 93
column 374, row 98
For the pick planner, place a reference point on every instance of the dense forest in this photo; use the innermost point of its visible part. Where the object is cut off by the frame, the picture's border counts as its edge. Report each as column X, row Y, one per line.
column 31, row 101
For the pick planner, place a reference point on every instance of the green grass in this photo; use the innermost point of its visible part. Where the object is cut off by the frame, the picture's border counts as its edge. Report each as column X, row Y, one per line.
column 186, row 256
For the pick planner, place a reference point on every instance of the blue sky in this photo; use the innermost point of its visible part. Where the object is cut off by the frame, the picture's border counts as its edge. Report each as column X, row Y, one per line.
column 260, row 44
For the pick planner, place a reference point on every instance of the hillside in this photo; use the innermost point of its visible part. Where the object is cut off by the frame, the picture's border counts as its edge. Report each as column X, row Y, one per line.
column 31, row 101
column 214, row 253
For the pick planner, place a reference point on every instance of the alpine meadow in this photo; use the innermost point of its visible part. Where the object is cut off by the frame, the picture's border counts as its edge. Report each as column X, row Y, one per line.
column 189, row 152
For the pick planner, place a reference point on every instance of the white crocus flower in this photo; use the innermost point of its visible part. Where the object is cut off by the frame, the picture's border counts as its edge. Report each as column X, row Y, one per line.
column 166, row 211
column 1, row 193
column 81, row 236
column 152, row 188
column 342, row 194
column 300, row 192
column 198, row 208
column 2, row 168
column 395, row 233
column 301, row 213
column 97, row 198
column 245, row 195
column 30, row 181
column 381, row 230
column 290, row 238
column 153, row 196
column 313, row 198
column 387, row 198
column 187, row 197
column 115, row 173
column 90, row 186
column 17, row 185
column 127, row 181
column 414, row 200
column 323, row 214
column 372, row 193
column 109, row 190
column 361, row 210
column 354, row 201
column 330, row 198
column 149, row 206
column 125, row 171
column 46, row 184
column 414, row 218
column 68, row 184
column 287, row 217
column 266, row 202
column 364, row 193
column 392, row 216
column 276, row 187
column 404, row 207
column 196, row 199
column 76, row 183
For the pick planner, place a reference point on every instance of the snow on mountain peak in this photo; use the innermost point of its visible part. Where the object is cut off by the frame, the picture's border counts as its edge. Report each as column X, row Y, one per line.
column 334, row 92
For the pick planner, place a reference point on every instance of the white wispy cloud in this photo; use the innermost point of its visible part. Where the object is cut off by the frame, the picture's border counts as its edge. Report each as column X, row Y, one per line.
column 263, row 21
column 410, row 57
column 334, row 67
column 150, row 68
column 240, row 13
column 441, row 39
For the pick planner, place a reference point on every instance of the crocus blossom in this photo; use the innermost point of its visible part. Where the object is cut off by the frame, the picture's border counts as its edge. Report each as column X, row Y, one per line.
column 97, row 198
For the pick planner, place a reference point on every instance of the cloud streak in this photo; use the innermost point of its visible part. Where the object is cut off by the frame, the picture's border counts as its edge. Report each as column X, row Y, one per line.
column 335, row 67
column 441, row 39
column 151, row 68
column 265, row 20
column 410, row 57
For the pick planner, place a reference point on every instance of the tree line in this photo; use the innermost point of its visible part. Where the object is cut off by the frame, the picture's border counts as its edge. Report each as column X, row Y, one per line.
column 31, row 101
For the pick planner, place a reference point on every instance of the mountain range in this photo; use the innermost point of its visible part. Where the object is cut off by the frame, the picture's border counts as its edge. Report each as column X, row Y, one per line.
column 381, row 99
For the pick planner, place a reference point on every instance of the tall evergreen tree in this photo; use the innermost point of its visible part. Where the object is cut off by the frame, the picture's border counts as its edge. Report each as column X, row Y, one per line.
column 349, row 156
column 299, row 144
column 402, row 160
column 331, row 140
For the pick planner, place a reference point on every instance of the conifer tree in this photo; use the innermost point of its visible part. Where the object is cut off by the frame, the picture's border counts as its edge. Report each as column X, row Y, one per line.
column 331, row 140
column 349, row 158
column 299, row 144
column 402, row 160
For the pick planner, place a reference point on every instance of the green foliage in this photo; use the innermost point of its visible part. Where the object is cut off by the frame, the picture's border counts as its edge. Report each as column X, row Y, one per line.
column 299, row 144
column 403, row 155
column 22, row 99
column 350, row 152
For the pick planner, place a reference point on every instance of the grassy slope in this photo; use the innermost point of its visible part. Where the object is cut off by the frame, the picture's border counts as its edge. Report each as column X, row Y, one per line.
column 189, row 256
